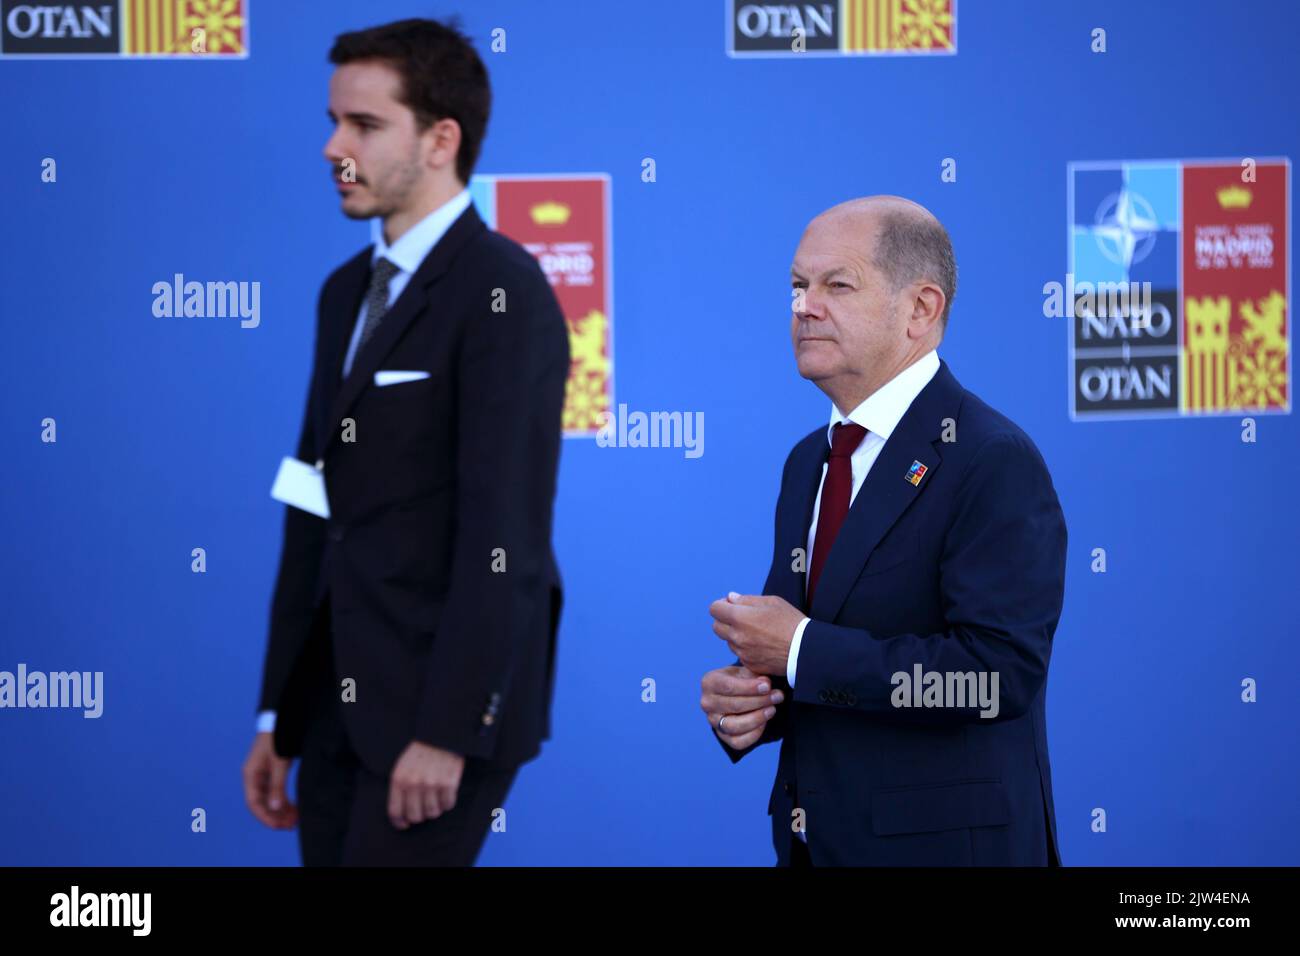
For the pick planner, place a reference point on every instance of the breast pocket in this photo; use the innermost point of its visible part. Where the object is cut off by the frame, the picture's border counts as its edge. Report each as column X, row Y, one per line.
column 405, row 389
column 402, row 408
column 889, row 554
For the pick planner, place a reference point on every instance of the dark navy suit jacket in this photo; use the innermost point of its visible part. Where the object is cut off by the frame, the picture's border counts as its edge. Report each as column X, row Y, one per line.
column 961, row 573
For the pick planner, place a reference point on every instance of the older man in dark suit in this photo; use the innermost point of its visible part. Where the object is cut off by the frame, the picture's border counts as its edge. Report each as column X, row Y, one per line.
column 899, row 650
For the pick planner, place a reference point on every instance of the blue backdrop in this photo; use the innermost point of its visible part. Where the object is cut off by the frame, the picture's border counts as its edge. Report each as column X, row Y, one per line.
column 170, row 430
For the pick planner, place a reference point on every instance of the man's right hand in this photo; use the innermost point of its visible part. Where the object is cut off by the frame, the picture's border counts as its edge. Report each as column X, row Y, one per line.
column 744, row 698
column 265, row 775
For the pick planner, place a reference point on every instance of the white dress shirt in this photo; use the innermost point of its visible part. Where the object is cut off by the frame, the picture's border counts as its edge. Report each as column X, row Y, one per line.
column 879, row 415
column 406, row 253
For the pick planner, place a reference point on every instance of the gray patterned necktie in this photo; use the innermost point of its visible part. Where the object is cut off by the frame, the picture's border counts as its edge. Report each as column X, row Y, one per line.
column 377, row 298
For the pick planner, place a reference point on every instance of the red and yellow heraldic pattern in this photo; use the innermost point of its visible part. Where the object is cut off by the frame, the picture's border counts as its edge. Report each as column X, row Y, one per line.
column 180, row 27
column 564, row 223
column 1234, row 258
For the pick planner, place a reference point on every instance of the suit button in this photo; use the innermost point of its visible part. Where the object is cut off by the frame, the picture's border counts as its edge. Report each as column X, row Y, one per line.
column 785, row 785
column 336, row 533
column 488, row 720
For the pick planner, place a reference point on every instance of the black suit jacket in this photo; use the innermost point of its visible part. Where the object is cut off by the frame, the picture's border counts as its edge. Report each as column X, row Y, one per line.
column 962, row 573
column 444, row 594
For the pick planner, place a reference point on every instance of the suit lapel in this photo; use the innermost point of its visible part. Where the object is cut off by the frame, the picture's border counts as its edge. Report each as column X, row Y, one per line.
column 886, row 493
column 395, row 322
column 339, row 317
column 806, row 473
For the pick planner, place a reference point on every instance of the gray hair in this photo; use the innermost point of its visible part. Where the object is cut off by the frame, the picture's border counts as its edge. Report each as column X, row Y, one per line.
column 912, row 248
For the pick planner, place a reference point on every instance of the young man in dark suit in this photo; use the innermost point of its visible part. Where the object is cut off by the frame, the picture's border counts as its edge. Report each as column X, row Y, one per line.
column 411, row 653
column 899, row 650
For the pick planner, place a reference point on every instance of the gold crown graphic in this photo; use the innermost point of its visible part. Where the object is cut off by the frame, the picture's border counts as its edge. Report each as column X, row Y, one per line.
column 1234, row 197
column 550, row 213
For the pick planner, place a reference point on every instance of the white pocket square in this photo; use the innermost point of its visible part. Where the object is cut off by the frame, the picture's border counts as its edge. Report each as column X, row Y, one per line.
column 389, row 377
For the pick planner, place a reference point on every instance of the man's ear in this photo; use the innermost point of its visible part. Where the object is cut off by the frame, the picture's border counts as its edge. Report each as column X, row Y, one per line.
column 443, row 139
column 927, row 305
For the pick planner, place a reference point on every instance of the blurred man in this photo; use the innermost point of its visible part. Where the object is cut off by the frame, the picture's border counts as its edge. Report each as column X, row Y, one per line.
column 412, row 639
column 899, row 651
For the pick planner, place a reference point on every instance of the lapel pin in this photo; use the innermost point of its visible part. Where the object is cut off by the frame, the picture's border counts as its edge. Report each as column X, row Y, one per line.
column 915, row 473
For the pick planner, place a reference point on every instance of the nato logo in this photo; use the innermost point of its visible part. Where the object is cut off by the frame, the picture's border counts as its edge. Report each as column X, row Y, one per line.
column 1177, row 294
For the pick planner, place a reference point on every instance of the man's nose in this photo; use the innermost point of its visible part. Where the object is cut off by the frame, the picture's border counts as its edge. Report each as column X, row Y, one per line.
column 333, row 149
column 806, row 305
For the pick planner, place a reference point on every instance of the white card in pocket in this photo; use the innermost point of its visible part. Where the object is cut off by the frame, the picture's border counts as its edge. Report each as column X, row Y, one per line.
column 299, row 484
column 391, row 377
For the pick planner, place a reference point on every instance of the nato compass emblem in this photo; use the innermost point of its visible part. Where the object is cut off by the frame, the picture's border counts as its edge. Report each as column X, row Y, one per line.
column 1126, row 228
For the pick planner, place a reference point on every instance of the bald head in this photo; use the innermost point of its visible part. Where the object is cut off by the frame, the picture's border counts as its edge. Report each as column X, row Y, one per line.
column 872, row 280
column 906, row 242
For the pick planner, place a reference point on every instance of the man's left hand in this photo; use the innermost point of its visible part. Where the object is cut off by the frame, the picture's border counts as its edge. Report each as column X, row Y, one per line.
column 423, row 784
column 758, row 629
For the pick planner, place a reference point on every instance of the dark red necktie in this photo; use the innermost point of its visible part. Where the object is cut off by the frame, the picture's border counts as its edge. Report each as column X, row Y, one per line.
column 837, row 489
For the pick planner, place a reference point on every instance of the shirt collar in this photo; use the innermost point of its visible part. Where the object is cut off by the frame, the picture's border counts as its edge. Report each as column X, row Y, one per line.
column 413, row 245
column 884, row 407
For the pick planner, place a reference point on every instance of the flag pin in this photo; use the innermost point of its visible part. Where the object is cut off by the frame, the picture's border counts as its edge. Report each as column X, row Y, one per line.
column 915, row 473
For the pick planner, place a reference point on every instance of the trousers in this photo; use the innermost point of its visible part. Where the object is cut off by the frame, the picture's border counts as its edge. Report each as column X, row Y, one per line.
column 343, row 805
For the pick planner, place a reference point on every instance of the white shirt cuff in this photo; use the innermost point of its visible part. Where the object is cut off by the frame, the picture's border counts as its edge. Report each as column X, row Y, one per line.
column 792, row 662
column 266, row 722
